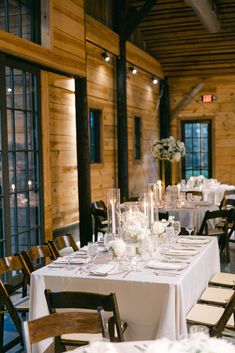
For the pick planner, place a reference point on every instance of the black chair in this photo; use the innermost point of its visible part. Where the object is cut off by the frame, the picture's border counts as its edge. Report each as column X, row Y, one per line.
column 62, row 243
column 17, row 311
column 99, row 212
column 208, row 228
column 227, row 193
column 56, row 324
column 36, row 256
column 89, row 301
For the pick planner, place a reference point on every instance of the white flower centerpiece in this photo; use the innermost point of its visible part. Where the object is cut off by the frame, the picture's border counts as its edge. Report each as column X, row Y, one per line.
column 195, row 344
column 159, row 228
column 168, row 149
column 118, row 248
column 134, row 226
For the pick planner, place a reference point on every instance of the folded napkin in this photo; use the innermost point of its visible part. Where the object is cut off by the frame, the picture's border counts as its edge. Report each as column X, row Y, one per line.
column 103, row 269
column 72, row 260
column 165, row 265
column 193, row 241
column 188, row 206
column 185, row 252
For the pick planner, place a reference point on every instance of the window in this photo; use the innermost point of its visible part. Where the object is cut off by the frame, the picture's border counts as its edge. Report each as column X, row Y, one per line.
column 22, row 18
column 20, row 178
column 137, row 138
column 197, row 138
column 95, row 120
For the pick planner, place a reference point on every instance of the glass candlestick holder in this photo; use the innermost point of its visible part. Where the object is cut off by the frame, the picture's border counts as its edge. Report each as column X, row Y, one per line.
column 113, row 210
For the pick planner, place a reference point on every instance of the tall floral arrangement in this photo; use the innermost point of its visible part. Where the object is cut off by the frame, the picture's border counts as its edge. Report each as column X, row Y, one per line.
column 168, row 149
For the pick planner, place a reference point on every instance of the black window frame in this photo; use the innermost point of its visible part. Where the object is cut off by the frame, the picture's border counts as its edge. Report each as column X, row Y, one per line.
column 34, row 8
column 7, row 61
column 200, row 168
column 95, row 135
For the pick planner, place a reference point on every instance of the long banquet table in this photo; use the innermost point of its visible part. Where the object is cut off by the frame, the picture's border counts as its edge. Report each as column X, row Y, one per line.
column 152, row 305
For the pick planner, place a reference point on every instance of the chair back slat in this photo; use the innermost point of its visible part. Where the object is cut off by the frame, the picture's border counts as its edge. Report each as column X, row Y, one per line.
column 85, row 300
column 56, row 324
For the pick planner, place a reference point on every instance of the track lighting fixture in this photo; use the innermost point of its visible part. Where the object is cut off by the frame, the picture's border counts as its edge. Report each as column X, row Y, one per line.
column 133, row 70
column 106, row 56
column 155, row 80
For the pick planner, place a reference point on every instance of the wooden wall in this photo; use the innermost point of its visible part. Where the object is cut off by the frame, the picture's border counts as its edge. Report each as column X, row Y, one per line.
column 221, row 112
column 142, row 101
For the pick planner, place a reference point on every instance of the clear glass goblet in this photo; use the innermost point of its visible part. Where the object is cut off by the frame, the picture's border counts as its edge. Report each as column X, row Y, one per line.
column 190, row 230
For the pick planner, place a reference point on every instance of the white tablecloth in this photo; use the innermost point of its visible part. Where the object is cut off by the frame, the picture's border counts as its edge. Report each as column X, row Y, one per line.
column 153, row 306
column 191, row 216
column 213, row 194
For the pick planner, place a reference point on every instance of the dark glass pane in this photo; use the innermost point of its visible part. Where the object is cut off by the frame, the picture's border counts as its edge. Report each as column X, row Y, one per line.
column 31, row 132
column 137, row 135
column 12, row 182
column 10, row 129
column 188, row 145
column 21, row 171
column 196, row 130
column 32, row 176
column 188, row 130
column 23, row 240
column 204, row 160
column 204, row 130
column 20, row 129
column 13, row 11
column 9, row 88
column 1, row 188
column 95, row 135
column 196, row 145
column 22, row 214
column 204, row 145
column 29, row 90
column 13, row 213
column 18, row 89
column 1, row 220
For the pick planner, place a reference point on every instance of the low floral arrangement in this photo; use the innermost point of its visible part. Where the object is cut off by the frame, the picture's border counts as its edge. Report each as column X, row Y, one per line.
column 118, row 247
column 196, row 181
column 159, row 227
column 194, row 344
column 168, row 149
column 197, row 344
column 134, row 226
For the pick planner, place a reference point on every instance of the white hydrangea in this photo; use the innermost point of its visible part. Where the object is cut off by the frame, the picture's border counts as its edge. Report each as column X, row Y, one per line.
column 134, row 226
column 118, row 247
column 194, row 344
column 168, row 149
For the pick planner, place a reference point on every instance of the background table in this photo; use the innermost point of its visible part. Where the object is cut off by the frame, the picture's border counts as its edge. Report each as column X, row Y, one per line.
column 191, row 216
column 153, row 306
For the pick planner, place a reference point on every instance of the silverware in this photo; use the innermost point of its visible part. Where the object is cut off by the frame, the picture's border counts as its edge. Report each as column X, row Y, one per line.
column 125, row 274
column 140, row 348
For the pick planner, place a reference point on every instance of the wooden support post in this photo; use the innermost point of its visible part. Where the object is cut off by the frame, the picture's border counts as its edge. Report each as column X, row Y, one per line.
column 83, row 160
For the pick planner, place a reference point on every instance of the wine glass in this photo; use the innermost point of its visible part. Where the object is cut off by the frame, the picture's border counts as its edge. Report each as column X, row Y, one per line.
column 177, row 227
column 190, row 230
column 198, row 330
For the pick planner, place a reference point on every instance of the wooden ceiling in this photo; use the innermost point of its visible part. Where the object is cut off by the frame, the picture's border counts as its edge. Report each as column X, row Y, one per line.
column 174, row 35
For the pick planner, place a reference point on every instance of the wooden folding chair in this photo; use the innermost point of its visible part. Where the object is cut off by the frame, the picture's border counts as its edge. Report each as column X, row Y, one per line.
column 54, row 325
column 227, row 195
column 223, row 279
column 17, row 310
column 208, row 228
column 63, row 245
column 89, row 301
column 99, row 212
column 36, row 256
column 215, row 317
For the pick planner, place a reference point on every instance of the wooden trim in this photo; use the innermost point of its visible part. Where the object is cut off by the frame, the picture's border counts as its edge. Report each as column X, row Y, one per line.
column 54, row 59
column 45, row 116
column 46, row 23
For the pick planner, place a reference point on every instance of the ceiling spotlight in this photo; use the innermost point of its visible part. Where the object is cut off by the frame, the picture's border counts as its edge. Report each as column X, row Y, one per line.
column 133, row 70
column 155, row 80
column 106, row 56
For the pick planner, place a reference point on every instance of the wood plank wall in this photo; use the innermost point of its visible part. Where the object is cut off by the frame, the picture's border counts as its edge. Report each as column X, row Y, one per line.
column 221, row 112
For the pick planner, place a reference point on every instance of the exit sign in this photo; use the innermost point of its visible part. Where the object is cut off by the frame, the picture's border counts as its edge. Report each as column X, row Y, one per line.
column 207, row 98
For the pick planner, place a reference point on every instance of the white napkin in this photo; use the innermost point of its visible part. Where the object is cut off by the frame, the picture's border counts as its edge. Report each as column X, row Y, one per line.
column 186, row 252
column 193, row 241
column 188, row 206
column 72, row 260
column 165, row 265
column 103, row 269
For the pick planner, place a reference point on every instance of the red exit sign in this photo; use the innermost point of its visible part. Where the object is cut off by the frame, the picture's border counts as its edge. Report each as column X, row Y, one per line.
column 207, row 98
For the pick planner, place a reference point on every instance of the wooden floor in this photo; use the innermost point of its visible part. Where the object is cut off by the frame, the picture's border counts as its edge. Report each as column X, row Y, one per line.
column 225, row 267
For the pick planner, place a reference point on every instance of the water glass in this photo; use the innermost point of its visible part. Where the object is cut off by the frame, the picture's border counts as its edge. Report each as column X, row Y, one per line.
column 198, row 330
column 92, row 249
column 177, row 227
